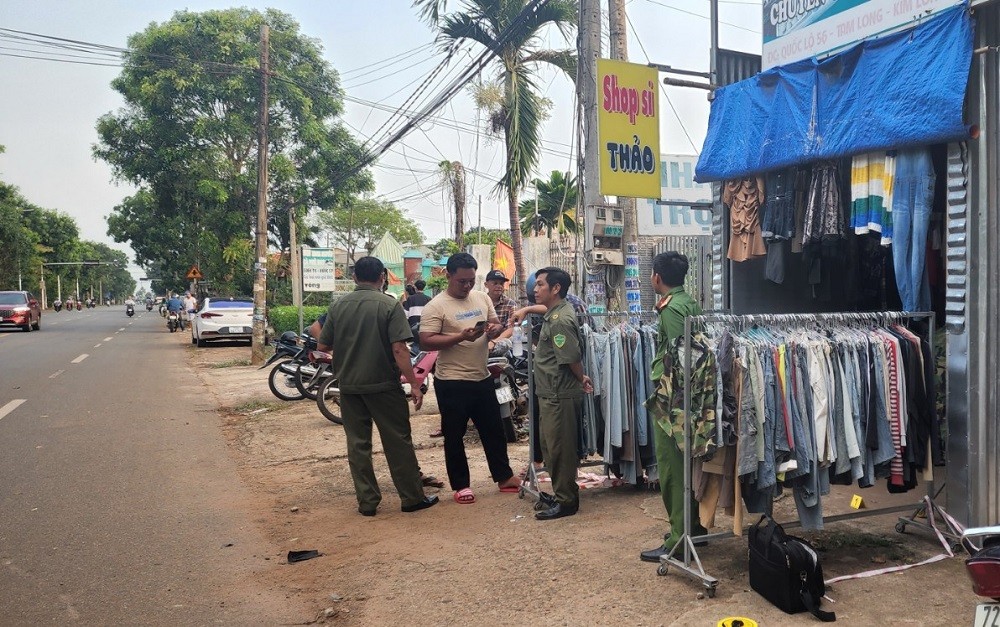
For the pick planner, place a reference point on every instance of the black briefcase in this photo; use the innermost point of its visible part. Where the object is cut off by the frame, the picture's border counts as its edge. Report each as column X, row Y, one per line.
column 785, row 570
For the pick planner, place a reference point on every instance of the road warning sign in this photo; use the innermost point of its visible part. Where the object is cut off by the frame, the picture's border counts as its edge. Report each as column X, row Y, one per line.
column 194, row 274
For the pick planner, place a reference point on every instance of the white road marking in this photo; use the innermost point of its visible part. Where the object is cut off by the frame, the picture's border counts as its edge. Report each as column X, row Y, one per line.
column 98, row 345
column 121, row 329
column 80, row 358
column 108, row 339
column 56, row 374
column 11, row 406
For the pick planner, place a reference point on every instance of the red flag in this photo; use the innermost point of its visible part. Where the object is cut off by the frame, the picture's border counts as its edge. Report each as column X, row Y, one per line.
column 503, row 258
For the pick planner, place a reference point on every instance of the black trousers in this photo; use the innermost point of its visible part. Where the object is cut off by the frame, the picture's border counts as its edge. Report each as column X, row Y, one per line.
column 459, row 401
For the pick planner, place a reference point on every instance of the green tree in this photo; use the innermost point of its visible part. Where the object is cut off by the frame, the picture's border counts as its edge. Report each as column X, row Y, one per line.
column 186, row 137
column 556, row 207
column 445, row 248
column 453, row 177
column 360, row 224
column 494, row 24
column 20, row 254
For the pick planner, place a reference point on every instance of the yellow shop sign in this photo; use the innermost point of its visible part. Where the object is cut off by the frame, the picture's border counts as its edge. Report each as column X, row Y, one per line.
column 628, row 128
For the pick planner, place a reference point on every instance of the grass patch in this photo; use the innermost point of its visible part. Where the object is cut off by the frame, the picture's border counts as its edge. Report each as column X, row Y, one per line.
column 231, row 363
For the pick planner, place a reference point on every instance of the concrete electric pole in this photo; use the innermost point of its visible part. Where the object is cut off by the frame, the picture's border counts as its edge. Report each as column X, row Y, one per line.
column 260, row 269
column 589, row 49
column 627, row 287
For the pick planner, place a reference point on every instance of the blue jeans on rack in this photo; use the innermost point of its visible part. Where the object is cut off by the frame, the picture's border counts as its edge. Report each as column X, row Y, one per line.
column 913, row 199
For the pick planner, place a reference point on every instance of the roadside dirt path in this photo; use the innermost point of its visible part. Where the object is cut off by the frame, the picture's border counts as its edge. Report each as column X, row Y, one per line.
column 491, row 563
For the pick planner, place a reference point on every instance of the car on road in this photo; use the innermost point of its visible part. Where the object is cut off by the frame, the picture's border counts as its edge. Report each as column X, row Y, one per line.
column 20, row 309
column 222, row 319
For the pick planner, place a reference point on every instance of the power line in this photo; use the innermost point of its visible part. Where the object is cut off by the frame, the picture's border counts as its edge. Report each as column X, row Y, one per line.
column 704, row 17
column 663, row 89
column 400, row 56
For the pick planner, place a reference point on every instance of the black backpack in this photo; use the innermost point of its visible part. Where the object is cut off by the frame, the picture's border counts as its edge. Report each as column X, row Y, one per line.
column 785, row 570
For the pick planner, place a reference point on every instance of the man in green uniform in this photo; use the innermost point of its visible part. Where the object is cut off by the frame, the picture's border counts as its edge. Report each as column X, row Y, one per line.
column 669, row 271
column 560, row 385
column 367, row 332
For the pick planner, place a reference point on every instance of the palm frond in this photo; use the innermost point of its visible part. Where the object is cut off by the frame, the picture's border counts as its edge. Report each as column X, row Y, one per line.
column 523, row 113
column 460, row 26
column 565, row 60
column 430, row 10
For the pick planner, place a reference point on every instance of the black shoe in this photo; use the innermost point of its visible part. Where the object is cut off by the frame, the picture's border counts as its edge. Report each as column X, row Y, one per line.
column 428, row 501
column 654, row 555
column 556, row 511
column 366, row 512
column 545, row 501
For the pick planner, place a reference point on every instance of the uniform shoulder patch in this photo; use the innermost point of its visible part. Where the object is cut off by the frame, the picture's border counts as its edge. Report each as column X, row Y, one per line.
column 559, row 340
column 554, row 317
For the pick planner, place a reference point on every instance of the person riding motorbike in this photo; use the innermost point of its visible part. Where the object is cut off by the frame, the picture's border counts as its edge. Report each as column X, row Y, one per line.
column 57, row 304
column 174, row 305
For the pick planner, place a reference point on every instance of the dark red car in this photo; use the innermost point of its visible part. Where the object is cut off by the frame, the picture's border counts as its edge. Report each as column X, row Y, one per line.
column 20, row 309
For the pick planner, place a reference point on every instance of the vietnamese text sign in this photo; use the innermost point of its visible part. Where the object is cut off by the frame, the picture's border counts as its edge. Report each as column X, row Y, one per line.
column 673, row 215
column 799, row 29
column 628, row 129
column 319, row 270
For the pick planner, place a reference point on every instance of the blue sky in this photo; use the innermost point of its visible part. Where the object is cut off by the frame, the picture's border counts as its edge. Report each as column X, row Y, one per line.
column 48, row 111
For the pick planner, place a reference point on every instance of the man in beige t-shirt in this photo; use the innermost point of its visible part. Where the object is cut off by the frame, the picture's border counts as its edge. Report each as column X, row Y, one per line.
column 458, row 323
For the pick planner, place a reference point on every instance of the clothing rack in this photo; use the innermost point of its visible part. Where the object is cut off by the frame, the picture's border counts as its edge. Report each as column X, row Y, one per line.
column 684, row 552
column 530, row 485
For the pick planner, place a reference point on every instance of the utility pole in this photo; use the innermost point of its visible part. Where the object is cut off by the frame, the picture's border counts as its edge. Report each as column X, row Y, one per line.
column 260, row 270
column 589, row 49
column 627, row 289
column 294, row 269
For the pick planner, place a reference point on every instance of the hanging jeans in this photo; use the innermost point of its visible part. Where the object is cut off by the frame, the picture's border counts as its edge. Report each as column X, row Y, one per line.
column 913, row 199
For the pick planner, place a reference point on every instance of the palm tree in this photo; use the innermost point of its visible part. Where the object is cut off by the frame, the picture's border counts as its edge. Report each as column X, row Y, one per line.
column 556, row 206
column 453, row 176
column 514, row 35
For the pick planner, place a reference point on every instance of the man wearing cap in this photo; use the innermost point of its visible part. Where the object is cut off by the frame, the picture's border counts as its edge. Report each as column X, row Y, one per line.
column 496, row 285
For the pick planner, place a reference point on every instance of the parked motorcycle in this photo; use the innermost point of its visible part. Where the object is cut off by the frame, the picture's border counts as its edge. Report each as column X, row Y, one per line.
column 510, row 378
column 328, row 394
column 289, row 351
column 983, row 568
column 129, row 310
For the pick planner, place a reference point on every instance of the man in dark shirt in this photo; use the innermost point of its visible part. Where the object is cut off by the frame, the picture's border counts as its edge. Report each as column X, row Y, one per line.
column 560, row 384
column 367, row 334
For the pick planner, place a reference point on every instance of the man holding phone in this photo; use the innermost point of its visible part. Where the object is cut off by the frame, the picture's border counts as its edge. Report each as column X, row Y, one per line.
column 458, row 324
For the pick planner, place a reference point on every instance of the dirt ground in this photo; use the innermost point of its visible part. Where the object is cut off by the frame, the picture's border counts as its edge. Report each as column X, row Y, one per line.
column 491, row 563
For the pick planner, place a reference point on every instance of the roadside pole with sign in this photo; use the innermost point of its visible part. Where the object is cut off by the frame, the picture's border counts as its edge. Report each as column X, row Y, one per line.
column 319, row 272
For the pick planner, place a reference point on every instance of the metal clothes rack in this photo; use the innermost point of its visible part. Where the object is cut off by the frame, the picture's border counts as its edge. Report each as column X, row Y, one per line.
column 530, row 484
column 684, row 552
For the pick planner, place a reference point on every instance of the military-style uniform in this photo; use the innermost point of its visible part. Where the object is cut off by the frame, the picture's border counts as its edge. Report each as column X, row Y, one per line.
column 560, row 399
column 361, row 327
column 672, row 308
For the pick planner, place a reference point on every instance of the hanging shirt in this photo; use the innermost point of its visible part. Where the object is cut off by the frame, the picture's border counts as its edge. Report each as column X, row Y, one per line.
column 744, row 198
column 872, row 176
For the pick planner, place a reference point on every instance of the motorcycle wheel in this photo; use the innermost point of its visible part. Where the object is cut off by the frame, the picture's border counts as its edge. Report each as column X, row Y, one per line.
column 282, row 385
column 328, row 400
column 302, row 381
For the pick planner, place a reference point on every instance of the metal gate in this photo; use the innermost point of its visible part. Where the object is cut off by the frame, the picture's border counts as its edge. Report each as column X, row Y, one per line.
column 698, row 250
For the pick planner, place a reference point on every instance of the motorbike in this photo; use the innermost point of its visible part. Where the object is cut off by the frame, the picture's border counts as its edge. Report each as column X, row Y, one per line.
column 149, row 306
column 129, row 310
column 57, row 305
column 328, row 394
column 983, row 568
column 91, row 304
column 79, row 306
column 290, row 352
column 173, row 321
column 510, row 378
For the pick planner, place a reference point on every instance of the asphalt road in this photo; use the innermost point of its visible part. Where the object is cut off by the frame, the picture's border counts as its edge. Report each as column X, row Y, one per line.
column 117, row 494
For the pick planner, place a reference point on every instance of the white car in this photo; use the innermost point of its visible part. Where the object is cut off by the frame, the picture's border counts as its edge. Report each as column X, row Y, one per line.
column 222, row 319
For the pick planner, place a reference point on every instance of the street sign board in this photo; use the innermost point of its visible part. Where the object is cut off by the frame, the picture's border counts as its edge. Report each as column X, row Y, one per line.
column 319, row 270
column 194, row 274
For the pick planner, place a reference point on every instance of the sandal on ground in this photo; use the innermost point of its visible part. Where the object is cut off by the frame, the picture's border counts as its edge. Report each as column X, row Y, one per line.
column 465, row 497
column 510, row 489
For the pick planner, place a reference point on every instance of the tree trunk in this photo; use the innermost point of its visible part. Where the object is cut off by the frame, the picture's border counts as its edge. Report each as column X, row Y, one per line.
column 515, row 240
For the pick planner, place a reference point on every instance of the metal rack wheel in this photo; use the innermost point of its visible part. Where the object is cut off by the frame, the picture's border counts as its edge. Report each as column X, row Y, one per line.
column 661, row 570
column 901, row 527
column 710, row 591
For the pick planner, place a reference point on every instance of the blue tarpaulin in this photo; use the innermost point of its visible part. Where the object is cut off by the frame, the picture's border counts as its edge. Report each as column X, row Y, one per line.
column 903, row 89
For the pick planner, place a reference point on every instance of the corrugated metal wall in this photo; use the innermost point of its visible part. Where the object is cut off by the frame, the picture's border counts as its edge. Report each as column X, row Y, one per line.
column 973, row 367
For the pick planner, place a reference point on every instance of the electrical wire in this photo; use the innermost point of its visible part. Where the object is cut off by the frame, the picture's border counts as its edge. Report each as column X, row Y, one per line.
column 704, row 17
column 663, row 89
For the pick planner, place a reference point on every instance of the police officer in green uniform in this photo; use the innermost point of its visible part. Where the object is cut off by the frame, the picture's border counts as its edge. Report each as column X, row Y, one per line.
column 367, row 332
column 669, row 271
column 560, row 385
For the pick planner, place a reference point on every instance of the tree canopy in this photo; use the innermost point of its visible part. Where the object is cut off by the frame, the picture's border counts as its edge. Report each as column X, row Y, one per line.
column 556, row 206
column 187, row 138
column 357, row 226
